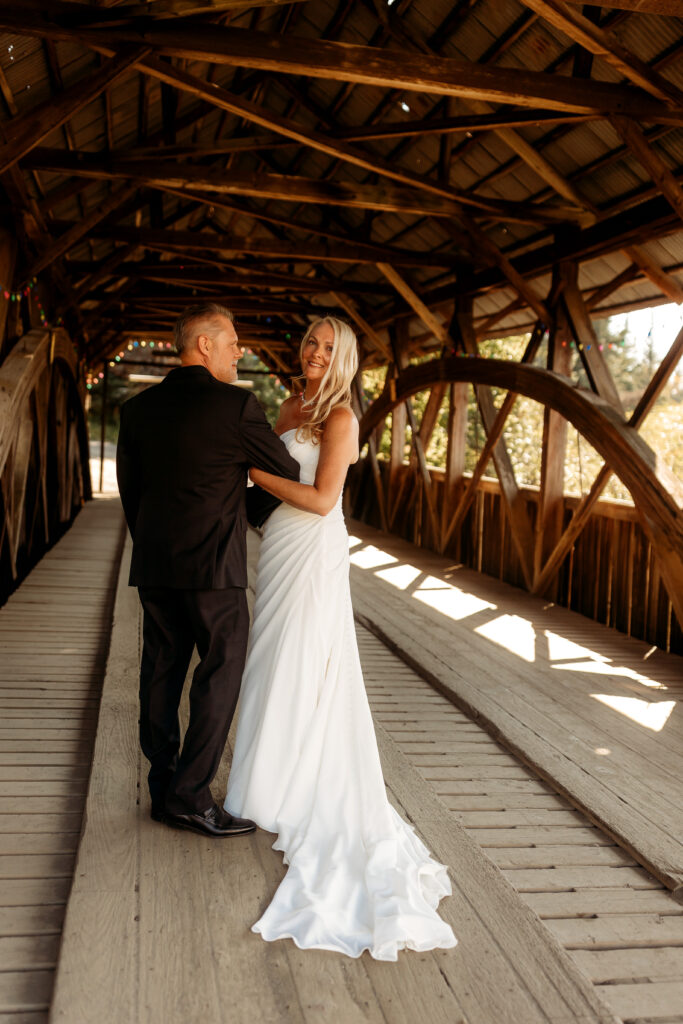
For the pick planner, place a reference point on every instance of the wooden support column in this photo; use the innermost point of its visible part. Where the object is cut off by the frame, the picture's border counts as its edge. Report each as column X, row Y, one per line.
column 399, row 422
column 581, row 324
column 469, row 491
column 514, row 503
column 583, row 511
column 103, row 421
column 372, row 452
column 418, row 459
column 550, row 515
column 518, row 515
column 455, row 454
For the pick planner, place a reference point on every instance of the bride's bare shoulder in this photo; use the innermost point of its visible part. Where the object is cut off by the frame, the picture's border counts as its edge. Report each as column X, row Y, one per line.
column 342, row 420
column 289, row 404
column 341, row 432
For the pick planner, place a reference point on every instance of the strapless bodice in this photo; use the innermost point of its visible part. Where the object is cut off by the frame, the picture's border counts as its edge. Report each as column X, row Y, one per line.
column 306, row 454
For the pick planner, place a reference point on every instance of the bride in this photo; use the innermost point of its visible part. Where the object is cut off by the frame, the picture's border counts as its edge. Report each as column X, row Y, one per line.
column 305, row 764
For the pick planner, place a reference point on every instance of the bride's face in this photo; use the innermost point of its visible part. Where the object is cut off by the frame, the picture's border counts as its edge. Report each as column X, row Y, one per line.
column 317, row 353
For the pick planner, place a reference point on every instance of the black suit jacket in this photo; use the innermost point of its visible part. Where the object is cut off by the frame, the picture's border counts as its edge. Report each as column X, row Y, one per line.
column 184, row 450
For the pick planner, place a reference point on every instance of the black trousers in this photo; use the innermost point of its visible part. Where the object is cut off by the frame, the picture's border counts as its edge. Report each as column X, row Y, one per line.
column 174, row 622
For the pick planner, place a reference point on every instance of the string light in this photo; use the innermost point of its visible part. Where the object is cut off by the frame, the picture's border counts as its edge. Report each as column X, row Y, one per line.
column 24, row 293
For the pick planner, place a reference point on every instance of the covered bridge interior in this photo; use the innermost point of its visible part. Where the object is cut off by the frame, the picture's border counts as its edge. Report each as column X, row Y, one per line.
column 442, row 174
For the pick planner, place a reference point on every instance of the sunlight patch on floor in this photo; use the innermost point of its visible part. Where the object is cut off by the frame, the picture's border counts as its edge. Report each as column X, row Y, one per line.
column 562, row 649
column 400, row 576
column 651, row 715
column 515, row 634
column 449, row 600
column 602, row 668
column 370, row 557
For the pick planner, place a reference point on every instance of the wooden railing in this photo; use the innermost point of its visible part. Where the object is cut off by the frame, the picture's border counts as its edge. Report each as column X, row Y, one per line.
column 44, row 474
column 610, row 574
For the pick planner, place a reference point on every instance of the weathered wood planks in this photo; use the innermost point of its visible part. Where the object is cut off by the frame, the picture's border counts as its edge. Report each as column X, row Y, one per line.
column 158, row 926
column 529, row 673
column 54, row 632
column 618, row 923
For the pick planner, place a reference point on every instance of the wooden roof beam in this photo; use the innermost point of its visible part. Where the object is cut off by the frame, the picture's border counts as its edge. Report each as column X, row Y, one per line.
column 351, row 309
column 384, row 197
column 256, row 114
column 197, row 274
column 600, row 294
column 282, row 252
column 79, row 13
column 413, row 72
column 458, row 125
column 241, row 210
column 653, row 218
column 26, row 131
column 528, row 153
column 655, row 272
column 517, row 280
column 600, row 43
column 632, row 135
column 548, row 173
column 637, row 6
column 83, row 227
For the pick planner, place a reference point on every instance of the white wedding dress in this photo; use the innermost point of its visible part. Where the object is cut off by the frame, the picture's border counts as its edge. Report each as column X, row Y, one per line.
column 306, row 764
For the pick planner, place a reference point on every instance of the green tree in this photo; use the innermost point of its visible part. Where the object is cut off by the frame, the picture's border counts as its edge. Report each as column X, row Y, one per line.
column 267, row 386
column 631, row 369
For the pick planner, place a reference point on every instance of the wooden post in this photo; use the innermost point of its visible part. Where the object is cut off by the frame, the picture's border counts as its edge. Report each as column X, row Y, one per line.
column 399, row 420
column 550, row 515
column 455, row 453
column 492, row 438
column 372, row 451
column 581, row 515
column 592, row 358
column 103, row 422
column 418, row 459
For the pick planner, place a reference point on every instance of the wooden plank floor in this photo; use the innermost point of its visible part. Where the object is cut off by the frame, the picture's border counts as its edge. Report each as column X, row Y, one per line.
column 158, row 922
column 54, row 634
column 597, row 714
column 622, row 927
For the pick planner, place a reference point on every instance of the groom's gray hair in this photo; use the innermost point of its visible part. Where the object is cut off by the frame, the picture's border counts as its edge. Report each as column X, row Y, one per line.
column 204, row 315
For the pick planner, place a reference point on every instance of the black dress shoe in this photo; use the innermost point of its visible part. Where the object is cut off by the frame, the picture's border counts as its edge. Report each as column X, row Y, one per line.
column 214, row 822
column 158, row 813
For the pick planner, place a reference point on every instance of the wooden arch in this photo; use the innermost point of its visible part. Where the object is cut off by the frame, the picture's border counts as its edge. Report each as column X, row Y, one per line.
column 656, row 492
column 44, row 470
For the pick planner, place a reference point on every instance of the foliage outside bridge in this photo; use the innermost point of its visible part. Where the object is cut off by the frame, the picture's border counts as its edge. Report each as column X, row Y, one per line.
column 662, row 430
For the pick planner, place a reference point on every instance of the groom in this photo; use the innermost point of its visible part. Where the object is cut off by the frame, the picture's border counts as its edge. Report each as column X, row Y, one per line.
column 184, row 450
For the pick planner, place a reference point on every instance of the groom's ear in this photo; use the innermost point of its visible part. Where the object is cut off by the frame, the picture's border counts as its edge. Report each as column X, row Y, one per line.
column 204, row 344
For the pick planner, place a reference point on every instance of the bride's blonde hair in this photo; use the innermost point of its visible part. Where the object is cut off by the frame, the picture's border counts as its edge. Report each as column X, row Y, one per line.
column 335, row 386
